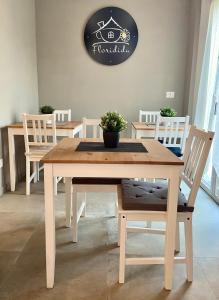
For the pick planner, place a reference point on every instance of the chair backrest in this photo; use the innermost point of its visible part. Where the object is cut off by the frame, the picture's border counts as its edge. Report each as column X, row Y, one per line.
column 91, row 128
column 62, row 115
column 195, row 156
column 148, row 116
column 172, row 131
column 39, row 130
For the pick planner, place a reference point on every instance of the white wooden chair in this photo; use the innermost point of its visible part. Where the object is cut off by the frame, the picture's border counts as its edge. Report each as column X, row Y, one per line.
column 148, row 116
column 62, row 115
column 172, row 133
column 83, row 185
column 195, row 157
column 39, row 137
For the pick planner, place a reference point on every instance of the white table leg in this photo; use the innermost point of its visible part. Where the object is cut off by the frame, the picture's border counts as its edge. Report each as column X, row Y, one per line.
column 68, row 200
column 49, row 224
column 133, row 133
column 173, row 191
column 12, row 159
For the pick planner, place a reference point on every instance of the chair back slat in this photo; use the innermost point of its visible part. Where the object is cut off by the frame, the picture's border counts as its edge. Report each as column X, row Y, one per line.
column 39, row 130
column 91, row 128
column 62, row 115
column 196, row 153
column 148, row 116
column 172, row 131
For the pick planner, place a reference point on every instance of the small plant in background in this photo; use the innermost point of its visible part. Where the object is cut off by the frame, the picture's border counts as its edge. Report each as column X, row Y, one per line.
column 167, row 112
column 113, row 122
column 46, row 109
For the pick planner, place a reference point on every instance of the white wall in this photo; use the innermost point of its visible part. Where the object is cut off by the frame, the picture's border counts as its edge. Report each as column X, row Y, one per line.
column 69, row 78
column 18, row 71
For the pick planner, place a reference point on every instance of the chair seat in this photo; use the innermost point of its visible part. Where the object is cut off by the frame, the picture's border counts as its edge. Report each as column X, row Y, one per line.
column 94, row 180
column 137, row 195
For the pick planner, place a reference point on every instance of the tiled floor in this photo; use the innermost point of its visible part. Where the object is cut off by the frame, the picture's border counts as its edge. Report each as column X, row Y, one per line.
column 89, row 269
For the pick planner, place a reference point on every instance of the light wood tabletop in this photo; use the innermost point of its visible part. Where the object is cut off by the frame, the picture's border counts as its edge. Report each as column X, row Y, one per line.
column 143, row 126
column 59, row 125
column 65, row 152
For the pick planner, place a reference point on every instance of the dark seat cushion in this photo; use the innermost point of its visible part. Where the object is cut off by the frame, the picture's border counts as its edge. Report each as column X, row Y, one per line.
column 175, row 150
column 138, row 195
column 94, row 180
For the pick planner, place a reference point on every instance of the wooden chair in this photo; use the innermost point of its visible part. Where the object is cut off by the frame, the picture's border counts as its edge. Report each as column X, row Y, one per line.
column 39, row 137
column 83, row 185
column 148, row 116
column 62, row 115
column 152, row 202
column 172, row 133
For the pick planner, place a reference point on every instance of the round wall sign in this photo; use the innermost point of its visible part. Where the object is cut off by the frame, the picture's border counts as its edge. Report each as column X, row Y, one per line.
column 111, row 35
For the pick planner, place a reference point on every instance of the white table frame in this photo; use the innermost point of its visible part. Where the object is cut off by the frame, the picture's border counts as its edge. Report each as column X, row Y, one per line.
column 13, row 131
column 142, row 133
column 69, row 170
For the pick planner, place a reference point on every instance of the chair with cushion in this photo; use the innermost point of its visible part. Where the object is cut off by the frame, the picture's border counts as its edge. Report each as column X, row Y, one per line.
column 39, row 137
column 172, row 133
column 91, row 128
column 62, row 115
column 148, row 116
column 148, row 201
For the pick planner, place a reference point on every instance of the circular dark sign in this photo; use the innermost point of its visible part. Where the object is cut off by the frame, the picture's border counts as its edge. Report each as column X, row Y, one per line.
column 111, row 36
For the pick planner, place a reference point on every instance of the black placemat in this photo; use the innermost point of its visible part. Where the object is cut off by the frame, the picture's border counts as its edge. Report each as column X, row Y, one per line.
column 122, row 147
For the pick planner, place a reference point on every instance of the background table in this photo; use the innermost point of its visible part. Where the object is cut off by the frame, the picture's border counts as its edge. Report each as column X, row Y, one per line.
column 146, row 130
column 140, row 129
column 64, row 161
column 65, row 129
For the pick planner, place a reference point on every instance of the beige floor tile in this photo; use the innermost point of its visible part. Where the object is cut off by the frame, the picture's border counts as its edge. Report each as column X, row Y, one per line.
column 89, row 268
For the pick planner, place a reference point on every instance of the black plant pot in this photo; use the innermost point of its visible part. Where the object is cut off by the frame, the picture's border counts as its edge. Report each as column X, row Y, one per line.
column 111, row 139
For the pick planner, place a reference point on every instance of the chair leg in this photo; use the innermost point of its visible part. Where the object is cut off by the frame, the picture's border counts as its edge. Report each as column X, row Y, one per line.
column 83, row 214
column 189, row 250
column 35, row 171
column 68, row 201
column 148, row 224
column 119, row 228
column 116, row 207
column 75, row 216
column 122, row 248
column 27, row 176
column 55, row 186
column 38, row 171
column 177, row 240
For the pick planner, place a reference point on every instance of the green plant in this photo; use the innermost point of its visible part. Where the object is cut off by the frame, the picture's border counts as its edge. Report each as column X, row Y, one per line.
column 113, row 122
column 46, row 109
column 167, row 112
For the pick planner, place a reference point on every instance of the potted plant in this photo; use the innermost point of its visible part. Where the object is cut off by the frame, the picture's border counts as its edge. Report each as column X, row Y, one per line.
column 46, row 109
column 167, row 112
column 112, row 123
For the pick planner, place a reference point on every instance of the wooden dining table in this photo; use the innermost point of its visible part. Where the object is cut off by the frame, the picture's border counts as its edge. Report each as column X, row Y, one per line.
column 146, row 130
column 63, row 129
column 64, row 160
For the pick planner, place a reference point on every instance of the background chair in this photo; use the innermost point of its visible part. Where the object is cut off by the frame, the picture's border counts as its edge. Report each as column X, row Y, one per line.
column 172, row 133
column 148, row 116
column 62, row 115
column 152, row 204
column 39, row 137
column 91, row 128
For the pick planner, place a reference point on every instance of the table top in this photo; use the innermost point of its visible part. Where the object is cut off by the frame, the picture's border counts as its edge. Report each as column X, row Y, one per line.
column 65, row 152
column 143, row 126
column 147, row 126
column 59, row 125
